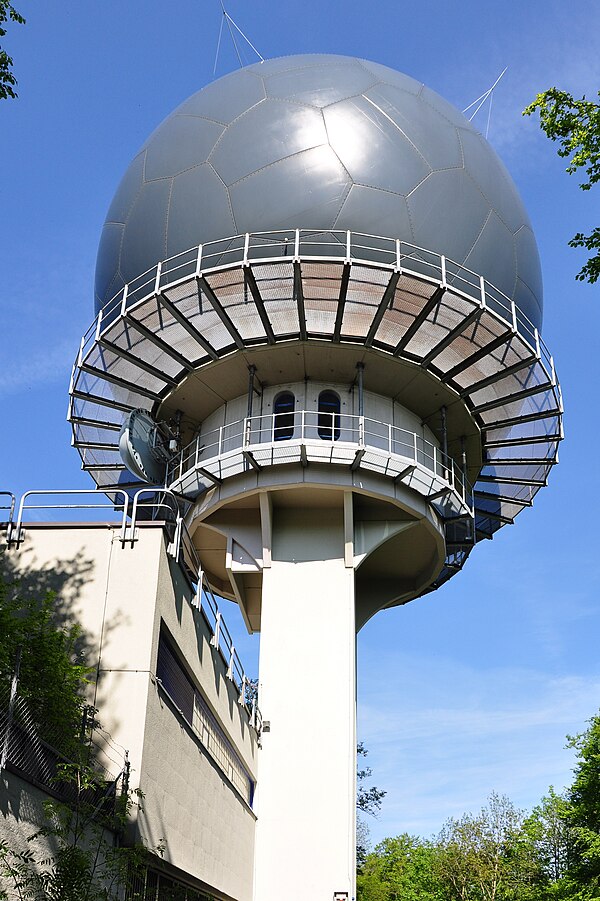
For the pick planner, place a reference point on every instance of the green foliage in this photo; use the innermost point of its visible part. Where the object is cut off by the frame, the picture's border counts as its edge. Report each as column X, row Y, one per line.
column 551, row 838
column 486, row 856
column 583, row 812
column 368, row 800
column 553, row 854
column 7, row 79
column 400, row 868
column 88, row 861
column 575, row 124
column 52, row 676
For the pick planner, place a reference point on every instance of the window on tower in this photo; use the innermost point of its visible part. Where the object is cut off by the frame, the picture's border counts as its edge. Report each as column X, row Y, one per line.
column 283, row 409
column 328, row 423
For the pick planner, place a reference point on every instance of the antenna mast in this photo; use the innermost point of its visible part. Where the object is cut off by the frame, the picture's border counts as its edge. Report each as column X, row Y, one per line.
column 481, row 100
column 231, row 24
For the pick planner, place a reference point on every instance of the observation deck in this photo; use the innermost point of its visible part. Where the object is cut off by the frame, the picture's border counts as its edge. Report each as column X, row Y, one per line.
column 313, row 437
column 341, row 289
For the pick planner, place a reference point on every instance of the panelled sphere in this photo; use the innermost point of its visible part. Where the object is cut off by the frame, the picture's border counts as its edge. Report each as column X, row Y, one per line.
column 323, row 142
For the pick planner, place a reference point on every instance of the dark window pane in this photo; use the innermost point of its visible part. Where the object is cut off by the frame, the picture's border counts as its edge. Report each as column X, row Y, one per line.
column 174, row 680
column 328, row 423
column 283, row 409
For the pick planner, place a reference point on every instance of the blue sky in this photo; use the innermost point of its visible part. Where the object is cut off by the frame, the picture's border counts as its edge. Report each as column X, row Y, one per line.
column 464, row 692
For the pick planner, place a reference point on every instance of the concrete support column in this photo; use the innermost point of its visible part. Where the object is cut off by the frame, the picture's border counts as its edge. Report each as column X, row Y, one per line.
column 306, row 803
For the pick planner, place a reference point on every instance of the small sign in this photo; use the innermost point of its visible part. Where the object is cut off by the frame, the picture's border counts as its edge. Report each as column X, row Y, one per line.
column 340, row 896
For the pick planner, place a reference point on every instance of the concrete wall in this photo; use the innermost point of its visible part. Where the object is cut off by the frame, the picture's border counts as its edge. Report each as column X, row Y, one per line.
column 22, row 816
column 122, row 596
column 306, row 795
column 306, row 393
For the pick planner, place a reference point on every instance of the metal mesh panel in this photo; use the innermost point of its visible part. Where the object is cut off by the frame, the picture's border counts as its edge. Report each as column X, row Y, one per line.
column 197, row 713
column 509, row 355
column 320, row 289
column 104, row 359
column 524, row 493
column 449, row 313
column 330, row 271
column 320, row 315
column 538, row 451
column 527, row 377
column 407, row 303
column 155, row 317
column 39, row 752
column 283, row 315
column 182, row 295
column 267, row 274
column 538, row 428
column 543, row 402
column 126, row 337
column 365, row 294
column 93, row 385
column 530, row 472
column 93, row 456
column 98, row 412
column 358, row 317
column 207, row 323
column 93, row 434
column 245, row 317
column 477, row 336
column 366, row 275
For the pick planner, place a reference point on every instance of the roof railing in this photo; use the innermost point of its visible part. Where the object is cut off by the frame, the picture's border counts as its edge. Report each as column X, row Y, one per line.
column 363, row 248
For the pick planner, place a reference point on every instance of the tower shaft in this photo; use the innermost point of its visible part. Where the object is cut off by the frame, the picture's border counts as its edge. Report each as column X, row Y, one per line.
column 305, row 842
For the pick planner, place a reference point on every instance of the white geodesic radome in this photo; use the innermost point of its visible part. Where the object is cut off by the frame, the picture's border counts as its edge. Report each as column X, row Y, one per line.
column 336, row 203
column 321, row 142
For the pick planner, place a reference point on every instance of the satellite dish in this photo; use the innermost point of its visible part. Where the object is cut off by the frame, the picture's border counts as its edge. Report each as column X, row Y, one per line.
column 144, row 447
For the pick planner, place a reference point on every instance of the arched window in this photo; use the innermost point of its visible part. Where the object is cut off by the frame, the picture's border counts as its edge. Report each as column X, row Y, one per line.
column 328, row 423
column 283, row 408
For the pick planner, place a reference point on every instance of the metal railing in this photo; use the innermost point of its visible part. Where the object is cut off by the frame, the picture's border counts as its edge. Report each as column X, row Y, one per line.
column 38, row 753
column 309, row 426
column 15, row 527
column 335, row 244
column 10, row 506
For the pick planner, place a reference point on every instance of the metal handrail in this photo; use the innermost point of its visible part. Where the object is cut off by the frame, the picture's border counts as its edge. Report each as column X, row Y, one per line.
column 10, row 507
column 204, row 600
column 379, row 249
column 361, row 431
column 17, row 532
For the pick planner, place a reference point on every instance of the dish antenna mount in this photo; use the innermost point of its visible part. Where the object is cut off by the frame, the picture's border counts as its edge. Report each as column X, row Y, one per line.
column 146, row 447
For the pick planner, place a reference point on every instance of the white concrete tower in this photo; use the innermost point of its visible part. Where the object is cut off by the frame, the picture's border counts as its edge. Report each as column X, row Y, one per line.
column 320, row 280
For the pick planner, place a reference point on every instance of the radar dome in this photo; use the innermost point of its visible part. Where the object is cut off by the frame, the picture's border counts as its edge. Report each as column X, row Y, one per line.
column 323, row 142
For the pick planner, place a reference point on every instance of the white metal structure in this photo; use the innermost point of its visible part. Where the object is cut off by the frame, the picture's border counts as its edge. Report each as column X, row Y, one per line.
column 314, row 525
column 258, row 290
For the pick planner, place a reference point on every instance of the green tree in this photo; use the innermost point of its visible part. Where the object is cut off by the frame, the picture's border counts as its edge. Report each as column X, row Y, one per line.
column 485, row 857
column 88, row 863
column 52, row 675
column 548, row 830
column 575, row 124
column 583, row 812
column 400, row 869
column 7, row 79
column 368, row 800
